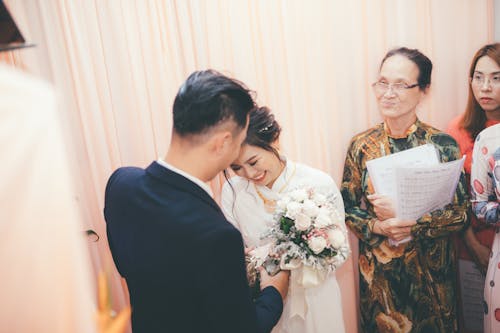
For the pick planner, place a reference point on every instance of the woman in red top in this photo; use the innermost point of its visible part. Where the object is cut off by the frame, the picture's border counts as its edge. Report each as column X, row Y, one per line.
column 482, row 111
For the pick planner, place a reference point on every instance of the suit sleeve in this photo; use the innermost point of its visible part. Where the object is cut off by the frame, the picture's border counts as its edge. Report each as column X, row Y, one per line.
column 109, row 215
column 225, row 292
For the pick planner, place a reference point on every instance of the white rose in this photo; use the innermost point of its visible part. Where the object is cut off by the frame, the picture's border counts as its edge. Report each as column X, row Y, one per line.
column 299, row 195
column 283, row 202
column 323, row 219
column 336, row 238
column 309, row 208
column 317, row 244
column 292, row 209
column 302, row 222
column 319, row 199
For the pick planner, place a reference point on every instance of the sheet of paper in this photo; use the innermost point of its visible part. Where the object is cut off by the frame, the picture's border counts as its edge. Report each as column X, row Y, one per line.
column 382, row 170
column 415, row 180
column 424, row 189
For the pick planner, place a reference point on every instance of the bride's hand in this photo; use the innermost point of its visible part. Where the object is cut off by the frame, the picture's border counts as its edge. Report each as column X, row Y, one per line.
column 278, row 281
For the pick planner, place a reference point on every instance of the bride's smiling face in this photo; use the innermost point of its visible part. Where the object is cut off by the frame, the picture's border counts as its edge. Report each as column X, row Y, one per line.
column 258, row 165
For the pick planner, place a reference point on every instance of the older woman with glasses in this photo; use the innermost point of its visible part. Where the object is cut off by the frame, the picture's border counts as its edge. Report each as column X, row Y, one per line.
column 410, row 286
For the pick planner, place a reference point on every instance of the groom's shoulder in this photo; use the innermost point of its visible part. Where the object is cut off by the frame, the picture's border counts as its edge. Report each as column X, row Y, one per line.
column 128, row 171
column 125, row 175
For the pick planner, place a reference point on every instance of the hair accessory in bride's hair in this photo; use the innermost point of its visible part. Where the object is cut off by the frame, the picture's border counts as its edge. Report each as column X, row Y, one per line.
column 265, row 129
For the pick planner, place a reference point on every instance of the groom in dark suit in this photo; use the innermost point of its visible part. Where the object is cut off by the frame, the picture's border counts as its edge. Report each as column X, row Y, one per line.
column 183, row 262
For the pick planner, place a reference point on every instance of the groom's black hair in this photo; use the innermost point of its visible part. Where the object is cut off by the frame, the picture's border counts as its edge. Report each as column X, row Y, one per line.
column 208, row 98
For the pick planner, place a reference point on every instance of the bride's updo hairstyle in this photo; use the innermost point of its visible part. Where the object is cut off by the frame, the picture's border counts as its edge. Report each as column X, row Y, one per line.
column 263, row 130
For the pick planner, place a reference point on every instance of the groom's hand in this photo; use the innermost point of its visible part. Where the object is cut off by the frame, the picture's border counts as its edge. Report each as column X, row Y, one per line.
column 278, row 281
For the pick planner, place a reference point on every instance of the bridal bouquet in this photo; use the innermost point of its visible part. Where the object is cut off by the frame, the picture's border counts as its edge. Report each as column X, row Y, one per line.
column 309, row 233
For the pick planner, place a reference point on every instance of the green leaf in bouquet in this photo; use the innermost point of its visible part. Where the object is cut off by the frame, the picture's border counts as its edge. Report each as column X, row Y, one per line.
column 327, row 253
column 309, row 252
column 286, row 224
column 298, row 239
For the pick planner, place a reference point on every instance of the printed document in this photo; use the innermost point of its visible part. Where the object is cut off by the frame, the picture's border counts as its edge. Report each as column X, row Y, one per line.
column 415, row 180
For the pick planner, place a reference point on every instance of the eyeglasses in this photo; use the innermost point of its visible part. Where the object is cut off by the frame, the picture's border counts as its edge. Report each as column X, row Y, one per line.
column 479, row 80
column 383, row 87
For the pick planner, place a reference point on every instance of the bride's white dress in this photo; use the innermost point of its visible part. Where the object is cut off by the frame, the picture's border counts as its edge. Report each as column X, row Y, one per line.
column 243, row 205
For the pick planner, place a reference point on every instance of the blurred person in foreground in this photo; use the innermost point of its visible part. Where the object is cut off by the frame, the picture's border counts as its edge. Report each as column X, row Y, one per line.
column 47, row 285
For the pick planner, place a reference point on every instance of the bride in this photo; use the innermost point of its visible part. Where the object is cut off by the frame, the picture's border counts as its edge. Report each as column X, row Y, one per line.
column 248, row 201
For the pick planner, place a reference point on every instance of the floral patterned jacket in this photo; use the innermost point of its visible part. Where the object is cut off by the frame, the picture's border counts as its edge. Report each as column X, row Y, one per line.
column 413, row 285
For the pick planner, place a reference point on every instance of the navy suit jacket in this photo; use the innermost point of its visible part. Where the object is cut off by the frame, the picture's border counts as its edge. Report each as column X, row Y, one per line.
column 182, row 260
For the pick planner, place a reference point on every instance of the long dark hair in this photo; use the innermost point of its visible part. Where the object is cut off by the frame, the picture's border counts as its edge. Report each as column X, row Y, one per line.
column 474, row 119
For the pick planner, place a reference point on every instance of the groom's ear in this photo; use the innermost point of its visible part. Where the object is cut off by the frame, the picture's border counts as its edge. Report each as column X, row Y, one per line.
column 220, row 142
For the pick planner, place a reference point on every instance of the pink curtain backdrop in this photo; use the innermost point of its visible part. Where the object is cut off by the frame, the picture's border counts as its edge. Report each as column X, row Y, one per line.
column 117, row 66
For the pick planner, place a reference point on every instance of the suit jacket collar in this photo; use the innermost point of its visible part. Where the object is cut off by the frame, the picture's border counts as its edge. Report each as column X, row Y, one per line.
column 174, row 179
